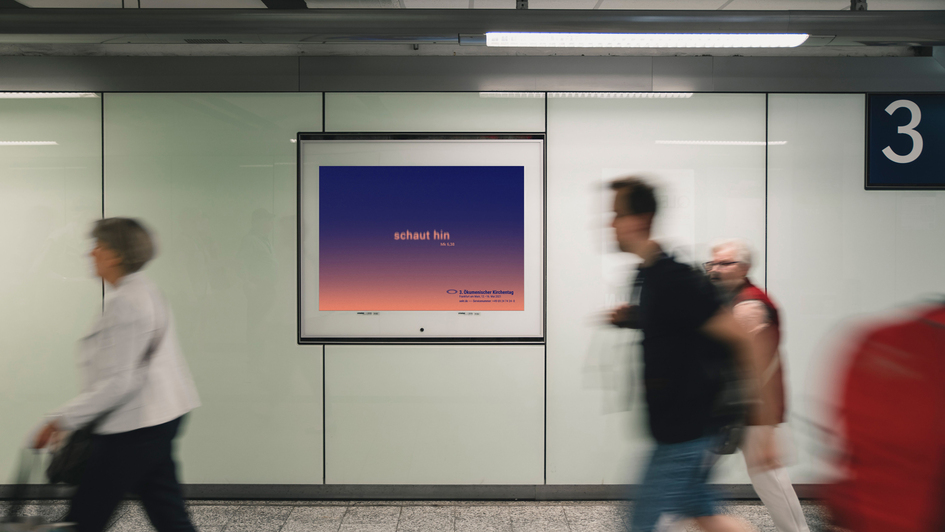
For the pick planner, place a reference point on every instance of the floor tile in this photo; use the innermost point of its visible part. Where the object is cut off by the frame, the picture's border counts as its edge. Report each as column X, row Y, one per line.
column 598, row 518
column 50, row 512
column 368, row 528
column 482, row 519
column 753, row 512
column 817, row 517
column 372, row 515
column 132, row 519
column 315, row 519
column 426, row 519
column 412, row 516
column 538, row 519
column 203, row 516
column 258, row 518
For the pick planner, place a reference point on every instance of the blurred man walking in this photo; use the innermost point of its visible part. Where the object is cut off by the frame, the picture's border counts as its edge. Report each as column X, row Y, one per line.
column 680, row 316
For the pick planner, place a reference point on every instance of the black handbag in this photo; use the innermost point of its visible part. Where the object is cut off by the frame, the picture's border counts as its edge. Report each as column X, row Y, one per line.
column 68, row 461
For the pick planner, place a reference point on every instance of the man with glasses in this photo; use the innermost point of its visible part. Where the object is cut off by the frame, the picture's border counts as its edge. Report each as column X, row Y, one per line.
column 758, row 315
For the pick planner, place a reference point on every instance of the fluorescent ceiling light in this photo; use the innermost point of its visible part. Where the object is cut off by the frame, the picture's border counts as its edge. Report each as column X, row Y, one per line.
column 28, row 143
column 30, row 95
column 48, row 168
column 586, row 95
column 646, row 40
column 722, row 142
column 620, row 95
column 511, row 95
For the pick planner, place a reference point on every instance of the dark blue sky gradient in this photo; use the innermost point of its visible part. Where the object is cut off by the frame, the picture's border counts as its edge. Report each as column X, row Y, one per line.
column 361, row 207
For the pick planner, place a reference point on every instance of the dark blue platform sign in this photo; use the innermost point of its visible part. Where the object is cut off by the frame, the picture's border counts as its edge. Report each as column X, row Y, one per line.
column 906, row 141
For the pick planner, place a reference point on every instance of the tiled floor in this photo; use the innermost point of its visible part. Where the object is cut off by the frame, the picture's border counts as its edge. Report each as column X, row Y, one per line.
column 412, row 516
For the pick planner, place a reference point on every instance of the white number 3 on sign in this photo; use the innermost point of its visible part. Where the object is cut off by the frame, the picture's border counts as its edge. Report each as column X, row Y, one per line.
column 908, row 129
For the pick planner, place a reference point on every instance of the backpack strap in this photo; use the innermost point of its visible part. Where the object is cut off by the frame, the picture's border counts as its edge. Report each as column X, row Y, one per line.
column 159, row 333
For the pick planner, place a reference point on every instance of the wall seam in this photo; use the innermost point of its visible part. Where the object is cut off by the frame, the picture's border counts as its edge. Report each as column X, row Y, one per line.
column 324, row 422
column 544, row 302
column 102, row 126
column 767, row 149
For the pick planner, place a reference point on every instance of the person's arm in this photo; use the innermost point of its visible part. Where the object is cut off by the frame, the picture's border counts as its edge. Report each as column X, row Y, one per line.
column 755, row 319
column 723, row 327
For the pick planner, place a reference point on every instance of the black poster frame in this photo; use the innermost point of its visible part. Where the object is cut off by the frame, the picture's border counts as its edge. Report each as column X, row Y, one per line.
column 361, row 340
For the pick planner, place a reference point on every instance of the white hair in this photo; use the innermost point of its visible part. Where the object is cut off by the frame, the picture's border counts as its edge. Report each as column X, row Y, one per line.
column 741, row 248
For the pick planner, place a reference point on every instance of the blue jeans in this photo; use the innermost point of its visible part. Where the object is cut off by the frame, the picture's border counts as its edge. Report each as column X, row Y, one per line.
column 676, row 481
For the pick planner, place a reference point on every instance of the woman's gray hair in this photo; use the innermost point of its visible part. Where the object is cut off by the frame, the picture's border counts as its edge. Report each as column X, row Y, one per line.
column 742, row 249
column 128, row 238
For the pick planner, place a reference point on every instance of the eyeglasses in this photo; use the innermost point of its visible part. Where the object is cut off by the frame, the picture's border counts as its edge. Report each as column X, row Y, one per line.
column 712, row 265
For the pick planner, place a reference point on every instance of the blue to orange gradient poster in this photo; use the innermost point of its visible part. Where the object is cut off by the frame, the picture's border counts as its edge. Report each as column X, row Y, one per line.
column 402, row 238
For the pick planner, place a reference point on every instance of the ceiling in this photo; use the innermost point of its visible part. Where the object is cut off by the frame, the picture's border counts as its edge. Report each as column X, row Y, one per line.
column 434, row 27
column 697, row 5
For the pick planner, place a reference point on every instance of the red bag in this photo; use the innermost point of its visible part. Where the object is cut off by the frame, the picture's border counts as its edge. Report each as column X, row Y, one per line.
column 892, row 414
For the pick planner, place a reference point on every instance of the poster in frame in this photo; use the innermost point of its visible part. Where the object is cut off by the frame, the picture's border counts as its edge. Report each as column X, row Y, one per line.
column 421, row 238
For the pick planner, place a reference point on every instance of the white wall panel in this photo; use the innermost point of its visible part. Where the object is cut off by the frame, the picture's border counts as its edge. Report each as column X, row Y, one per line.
column 215, row 176
column 434, row 414
column 437, row 112
column 837, row 252
column 711, row 189
column 197, row 166
column 49, row 197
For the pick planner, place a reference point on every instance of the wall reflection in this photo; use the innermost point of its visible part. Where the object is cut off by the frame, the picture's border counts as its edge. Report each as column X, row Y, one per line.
column 215, row 174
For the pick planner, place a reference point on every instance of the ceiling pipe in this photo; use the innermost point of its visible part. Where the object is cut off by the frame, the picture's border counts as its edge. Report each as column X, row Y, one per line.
column 900, row 28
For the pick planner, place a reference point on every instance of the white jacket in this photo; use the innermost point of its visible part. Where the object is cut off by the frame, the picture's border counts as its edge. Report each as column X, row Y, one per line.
column 114, row 376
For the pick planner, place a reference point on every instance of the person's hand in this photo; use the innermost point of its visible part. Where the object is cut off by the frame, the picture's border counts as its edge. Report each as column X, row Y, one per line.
column 761, row 449
column 49, row 434
column 619, row 314
column 624, row 316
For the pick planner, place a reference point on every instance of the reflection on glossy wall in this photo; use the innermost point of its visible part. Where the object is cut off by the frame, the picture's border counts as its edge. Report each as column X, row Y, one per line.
column 706, row 155
column 215, row 177
column 434, row 414
column 49, row 196
column 838, row 254
column 435, row 112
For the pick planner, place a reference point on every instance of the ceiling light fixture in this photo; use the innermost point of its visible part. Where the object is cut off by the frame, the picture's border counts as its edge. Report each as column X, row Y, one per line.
column 32, row 95
column 620, row 95
column 511, row 95
column 28, row 143
column 646, row 40
column 722, row 142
